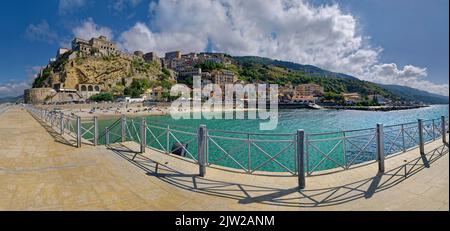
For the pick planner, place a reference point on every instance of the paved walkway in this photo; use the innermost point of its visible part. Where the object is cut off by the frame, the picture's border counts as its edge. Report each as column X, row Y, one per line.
column 39, row 170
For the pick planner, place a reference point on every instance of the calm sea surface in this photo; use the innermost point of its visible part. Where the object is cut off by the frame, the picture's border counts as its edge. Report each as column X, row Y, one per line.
column 232, row 150
column 313, row 121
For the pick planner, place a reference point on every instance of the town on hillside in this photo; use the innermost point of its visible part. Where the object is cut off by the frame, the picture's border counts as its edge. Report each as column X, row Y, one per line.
column 54, row 84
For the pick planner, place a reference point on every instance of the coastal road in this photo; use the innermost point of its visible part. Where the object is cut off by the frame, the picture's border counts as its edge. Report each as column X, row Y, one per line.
column 39, row 170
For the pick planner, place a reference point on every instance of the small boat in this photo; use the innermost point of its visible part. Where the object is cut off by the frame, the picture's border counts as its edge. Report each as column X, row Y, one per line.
column 315, row 106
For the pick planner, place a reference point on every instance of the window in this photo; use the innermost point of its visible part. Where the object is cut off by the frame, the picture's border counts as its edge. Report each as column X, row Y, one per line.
column 90, row 88
column 83, row 88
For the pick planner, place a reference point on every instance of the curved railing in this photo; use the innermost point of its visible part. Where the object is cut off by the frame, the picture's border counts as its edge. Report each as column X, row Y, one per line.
column 294, row 153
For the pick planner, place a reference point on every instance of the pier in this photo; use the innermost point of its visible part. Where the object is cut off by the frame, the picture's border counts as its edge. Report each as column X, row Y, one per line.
column 44, row 169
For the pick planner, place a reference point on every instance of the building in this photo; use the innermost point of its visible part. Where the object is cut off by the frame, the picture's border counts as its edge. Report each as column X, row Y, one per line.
column 286, row 93
column 309, row 90
column 151, row 57
column 38, row 95
column 88, row 90
column 352, row 98
column 379, row 99
column 100, row 44
column 173, row 55
column 189, row 72
column 65, row 96
column 61, row 52
column 155, row 94
column 223, row 77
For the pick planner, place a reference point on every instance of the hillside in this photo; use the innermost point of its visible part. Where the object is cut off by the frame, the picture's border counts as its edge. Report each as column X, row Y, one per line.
column 11, row 99
column 251, row 68
column 113, row 72
column 412, row 94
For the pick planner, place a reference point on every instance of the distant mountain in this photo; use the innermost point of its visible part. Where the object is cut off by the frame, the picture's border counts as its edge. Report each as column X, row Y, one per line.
column 11, row 99
column 310, row 70
column 412, row 94
column 282, row 72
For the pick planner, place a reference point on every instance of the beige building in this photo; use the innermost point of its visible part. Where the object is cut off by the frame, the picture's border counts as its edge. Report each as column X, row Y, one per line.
column 38, row 95
column 351, row 98
column 224, row 77
column 88, row 90
column 61, row 51
column 173, row 55
column 308, row 90
column 101, row 44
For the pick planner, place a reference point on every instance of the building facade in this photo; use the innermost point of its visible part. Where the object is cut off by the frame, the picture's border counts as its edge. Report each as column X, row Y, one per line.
column 308, row 90
column 100, row 44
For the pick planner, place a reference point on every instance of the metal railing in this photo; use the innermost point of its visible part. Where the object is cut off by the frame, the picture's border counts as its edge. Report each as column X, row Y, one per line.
column 82, row 130
column 297, row 153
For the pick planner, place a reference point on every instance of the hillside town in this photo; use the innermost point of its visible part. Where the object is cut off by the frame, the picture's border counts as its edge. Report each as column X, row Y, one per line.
column 181, row 68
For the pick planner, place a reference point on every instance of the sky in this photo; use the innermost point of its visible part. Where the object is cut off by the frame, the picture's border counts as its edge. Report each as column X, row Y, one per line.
column 404, row 42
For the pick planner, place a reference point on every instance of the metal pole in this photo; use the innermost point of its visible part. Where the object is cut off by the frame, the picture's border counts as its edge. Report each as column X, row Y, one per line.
column 301, row 159
column 95, row 131
column 123, row 120
column 78, row 132
column 380, row 147
column 168, row 139
column 434, row 135
column 403, row 138
column 421, row 141
column 444, row 132
column 143, row 135
column 62, row 123
column 201, row 150
column 107, row 136
column 249, row 158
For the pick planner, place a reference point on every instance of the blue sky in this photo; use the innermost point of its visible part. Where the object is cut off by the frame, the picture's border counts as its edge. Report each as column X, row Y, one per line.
column 402, row 42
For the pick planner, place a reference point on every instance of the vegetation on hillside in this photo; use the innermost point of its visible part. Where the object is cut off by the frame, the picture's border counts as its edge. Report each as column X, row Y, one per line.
column 102, row 97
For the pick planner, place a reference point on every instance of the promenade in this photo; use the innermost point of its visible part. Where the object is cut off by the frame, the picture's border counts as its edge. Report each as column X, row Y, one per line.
column 40, row 170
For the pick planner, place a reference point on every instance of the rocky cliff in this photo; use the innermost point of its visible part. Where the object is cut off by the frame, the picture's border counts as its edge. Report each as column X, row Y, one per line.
column 111, row 71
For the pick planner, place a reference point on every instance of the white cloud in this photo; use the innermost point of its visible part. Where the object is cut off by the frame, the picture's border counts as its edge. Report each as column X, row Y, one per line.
column 89, row 29
column 67, row 6
column 283, row 29
column 12, row 89
column 121, row 5
column 32, row 72
column 41, row 32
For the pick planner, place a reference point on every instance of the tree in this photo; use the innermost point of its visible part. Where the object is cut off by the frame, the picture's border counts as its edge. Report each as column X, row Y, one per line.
column 137, row 87
column 101, row 97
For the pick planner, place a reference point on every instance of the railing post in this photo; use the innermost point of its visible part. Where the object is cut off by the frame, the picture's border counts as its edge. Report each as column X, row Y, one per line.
column 434, row 134
column 123, row 120
column 403, row 138
column 201, row 150
column 106, row 136
column 380, row 147
column 78, row 132
column 143, row 135
column 62, row 123
column 301, row 159
column 421, row 141
column 168, row 140
column 443, row 130
column 249, row 157
column 95, row 131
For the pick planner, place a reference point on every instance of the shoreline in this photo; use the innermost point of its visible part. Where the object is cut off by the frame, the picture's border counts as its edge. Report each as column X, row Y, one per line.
column 116, row 110
column 375, row 108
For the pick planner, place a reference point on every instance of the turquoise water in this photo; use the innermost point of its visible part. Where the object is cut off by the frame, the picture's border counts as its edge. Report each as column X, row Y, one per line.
column 359, row 147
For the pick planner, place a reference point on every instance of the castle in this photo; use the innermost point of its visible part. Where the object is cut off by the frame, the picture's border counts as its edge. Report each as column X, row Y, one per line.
column 100, row 44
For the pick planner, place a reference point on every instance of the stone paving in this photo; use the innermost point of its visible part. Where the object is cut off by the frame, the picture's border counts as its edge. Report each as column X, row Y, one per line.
column 40, row 170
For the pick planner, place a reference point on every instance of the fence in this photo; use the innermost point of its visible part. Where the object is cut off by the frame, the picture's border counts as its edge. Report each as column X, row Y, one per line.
column 81, row 130
column 297, row 153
